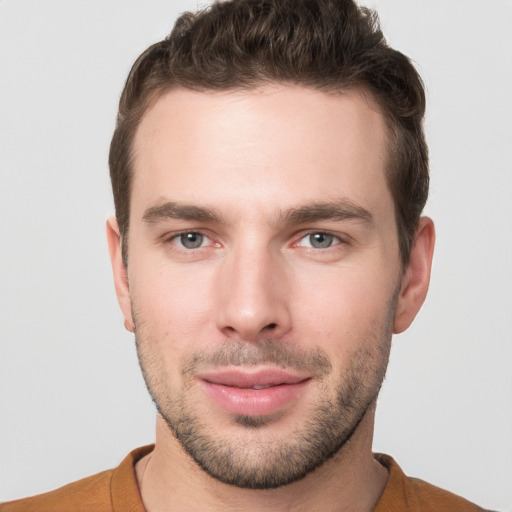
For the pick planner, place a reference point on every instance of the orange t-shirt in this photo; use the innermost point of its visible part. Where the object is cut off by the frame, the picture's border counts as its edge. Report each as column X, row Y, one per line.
column 116, row 490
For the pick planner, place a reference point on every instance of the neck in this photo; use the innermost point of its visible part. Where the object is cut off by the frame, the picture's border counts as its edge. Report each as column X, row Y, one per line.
column 351, row 480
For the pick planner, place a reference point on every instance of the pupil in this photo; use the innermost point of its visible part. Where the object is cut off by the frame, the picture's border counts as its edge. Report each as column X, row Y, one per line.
column 321, row 240
column 191, row 240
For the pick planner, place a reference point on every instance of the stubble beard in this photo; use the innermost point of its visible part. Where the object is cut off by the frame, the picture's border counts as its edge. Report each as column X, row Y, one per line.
column 254, row 459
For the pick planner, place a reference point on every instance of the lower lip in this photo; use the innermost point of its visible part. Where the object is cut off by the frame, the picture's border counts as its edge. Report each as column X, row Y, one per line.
column 254, row 402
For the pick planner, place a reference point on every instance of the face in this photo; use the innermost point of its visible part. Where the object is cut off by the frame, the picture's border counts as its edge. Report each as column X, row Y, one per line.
column 263, row 276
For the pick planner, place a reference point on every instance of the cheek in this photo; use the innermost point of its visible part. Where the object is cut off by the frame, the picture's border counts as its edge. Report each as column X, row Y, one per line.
column 169, row 313
column 341, row 310
column 173, row 305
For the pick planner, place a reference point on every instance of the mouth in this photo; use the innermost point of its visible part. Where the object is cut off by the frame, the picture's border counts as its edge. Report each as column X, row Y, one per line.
column 260, row 392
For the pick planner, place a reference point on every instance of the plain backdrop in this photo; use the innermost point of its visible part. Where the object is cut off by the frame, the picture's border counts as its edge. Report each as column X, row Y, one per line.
column 72, row 401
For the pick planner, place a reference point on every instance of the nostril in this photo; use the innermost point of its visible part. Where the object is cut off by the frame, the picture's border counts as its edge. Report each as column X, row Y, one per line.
column 271, row 326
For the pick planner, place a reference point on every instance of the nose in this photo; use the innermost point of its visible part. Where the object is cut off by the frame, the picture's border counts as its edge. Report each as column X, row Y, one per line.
column 252, row 296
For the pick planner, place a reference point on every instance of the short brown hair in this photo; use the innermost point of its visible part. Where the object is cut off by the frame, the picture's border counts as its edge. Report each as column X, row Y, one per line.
column 329, row 45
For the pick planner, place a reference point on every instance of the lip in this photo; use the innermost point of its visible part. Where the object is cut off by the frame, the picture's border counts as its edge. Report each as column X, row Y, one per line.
column 260, row 392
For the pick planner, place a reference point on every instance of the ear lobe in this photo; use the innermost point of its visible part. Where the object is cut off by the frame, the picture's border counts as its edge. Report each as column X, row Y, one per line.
column 416, row 278
column 120, row 273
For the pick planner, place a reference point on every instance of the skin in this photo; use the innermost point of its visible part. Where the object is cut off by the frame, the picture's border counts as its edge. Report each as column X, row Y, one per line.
column 251, row 158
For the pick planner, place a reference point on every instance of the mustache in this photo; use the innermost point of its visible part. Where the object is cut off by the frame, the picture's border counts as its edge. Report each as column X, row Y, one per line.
column 268, row 351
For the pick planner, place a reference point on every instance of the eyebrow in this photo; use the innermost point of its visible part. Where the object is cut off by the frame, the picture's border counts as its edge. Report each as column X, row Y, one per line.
column 337, row 210
column 172, row 210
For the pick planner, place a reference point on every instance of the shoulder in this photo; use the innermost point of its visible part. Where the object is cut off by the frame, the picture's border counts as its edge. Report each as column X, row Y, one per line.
column 108, row 491
column 415, row 495
column 92, row 493
column 429, row 497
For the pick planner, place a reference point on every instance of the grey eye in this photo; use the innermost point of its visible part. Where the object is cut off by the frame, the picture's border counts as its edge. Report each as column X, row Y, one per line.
column 321, row 240
column 191, row 240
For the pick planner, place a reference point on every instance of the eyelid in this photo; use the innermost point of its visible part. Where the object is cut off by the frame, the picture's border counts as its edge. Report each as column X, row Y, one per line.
column 170, row 237
column 340, row 238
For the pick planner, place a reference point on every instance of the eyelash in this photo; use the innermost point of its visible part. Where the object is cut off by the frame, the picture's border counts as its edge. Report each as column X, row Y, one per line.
column 177, row 236
column 336, row 240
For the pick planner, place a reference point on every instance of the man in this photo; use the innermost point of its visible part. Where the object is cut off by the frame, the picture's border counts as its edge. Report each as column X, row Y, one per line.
column 269, row 172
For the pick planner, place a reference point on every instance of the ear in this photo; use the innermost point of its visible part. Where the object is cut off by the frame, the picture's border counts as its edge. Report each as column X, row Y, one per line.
column 416, row 277
column 120, row 273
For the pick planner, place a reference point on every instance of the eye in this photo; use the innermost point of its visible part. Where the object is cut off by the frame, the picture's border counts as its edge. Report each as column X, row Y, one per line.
column 318, row 240
column 190, row 240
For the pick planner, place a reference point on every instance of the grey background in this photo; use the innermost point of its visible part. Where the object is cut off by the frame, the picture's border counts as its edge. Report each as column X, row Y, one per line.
column 72, row 401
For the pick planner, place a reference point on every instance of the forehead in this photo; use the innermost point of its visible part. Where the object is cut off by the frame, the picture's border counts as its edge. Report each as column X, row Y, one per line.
column 277, row 145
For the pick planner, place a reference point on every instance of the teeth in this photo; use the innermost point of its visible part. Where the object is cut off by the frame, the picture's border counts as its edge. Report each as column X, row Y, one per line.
column 261, row 387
